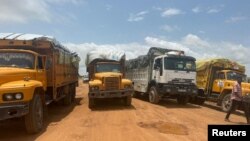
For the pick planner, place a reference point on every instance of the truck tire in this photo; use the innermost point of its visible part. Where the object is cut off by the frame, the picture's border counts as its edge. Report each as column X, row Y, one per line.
column 153, row 95
column 226, row 103
column 91, row 103
column 128, row 100
column 182, row 100
column 68, row 97
column 34, row 119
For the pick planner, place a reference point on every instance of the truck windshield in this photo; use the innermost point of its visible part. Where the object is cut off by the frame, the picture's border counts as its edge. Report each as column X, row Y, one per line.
column 234, row 76
column 105, row 67
column 18, row 60
column 179, row 64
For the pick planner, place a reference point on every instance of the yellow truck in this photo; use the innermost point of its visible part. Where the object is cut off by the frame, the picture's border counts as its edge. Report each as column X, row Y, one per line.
column 107, row 77
column 216, row 77
column 35, row 70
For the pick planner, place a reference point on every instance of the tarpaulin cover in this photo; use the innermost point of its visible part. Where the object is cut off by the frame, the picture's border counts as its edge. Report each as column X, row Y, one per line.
column 144, row 60
column 29, row 37
column 219, row 62
column 104, row 54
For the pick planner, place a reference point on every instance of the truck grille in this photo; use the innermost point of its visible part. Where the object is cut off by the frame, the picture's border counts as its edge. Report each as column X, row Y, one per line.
column 112, row 83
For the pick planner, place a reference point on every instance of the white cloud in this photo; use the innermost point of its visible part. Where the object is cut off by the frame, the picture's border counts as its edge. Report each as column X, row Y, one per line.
column 210, row 11
column 23, row 11
column 197, row 9
column 171, row 12
column 157, row 8
column 194, row 40
column 236, row 19
column 137, row 17
column 169, row 28
column 215, row 9
column 191, row 44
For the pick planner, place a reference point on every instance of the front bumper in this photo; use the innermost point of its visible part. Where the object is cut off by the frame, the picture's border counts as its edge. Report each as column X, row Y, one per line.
column 110, row 94
column 12, row 110
column 171, row 90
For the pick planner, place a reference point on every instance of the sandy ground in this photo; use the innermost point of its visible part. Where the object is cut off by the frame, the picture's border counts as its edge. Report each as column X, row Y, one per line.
column 111, row 121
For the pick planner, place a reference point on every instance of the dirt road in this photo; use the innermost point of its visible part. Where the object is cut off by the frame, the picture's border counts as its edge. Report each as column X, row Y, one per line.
column 111, row 121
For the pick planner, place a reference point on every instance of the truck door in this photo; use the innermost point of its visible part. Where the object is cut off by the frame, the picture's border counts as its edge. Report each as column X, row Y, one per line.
column 41, row 73
column 158, row 70
column 218, row 83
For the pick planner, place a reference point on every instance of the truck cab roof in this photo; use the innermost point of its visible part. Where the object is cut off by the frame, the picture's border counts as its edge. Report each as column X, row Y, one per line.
column 19, row 50
column 176, row 56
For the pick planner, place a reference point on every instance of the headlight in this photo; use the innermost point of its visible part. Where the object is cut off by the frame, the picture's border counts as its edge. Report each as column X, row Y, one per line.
column 8, row 97
column 18, row 96
column 12, row 96
column 94, row 88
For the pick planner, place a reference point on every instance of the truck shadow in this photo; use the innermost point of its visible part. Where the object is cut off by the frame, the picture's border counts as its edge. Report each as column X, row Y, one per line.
column 14, row 129
column 218, row 108
column 171, row 103
column 111, row 105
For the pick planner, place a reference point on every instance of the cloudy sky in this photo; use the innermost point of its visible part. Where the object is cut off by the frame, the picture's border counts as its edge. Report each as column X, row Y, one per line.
column 203, row 29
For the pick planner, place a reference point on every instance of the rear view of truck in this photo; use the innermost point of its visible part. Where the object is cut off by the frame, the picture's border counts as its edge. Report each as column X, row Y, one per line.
column 106, row 77
column 35, row 70
column 163, row 73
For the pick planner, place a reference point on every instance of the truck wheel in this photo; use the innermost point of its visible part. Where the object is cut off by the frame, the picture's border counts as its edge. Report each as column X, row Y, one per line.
column 34, row 119
column 153, row 95
column 67, row 99
column 91, row 103
column 128, row 100
column 183, row 100
column 68, row 95
column 226, row 103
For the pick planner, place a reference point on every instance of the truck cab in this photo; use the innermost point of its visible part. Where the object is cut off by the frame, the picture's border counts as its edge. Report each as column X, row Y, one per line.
column 107, row 81
column 175, row 76
column 21, row 72
column 223, row 84
column 163, row 73
column 168, row 68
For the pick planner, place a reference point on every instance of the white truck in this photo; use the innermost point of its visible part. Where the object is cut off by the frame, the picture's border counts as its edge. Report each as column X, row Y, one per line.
column 163, row 73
